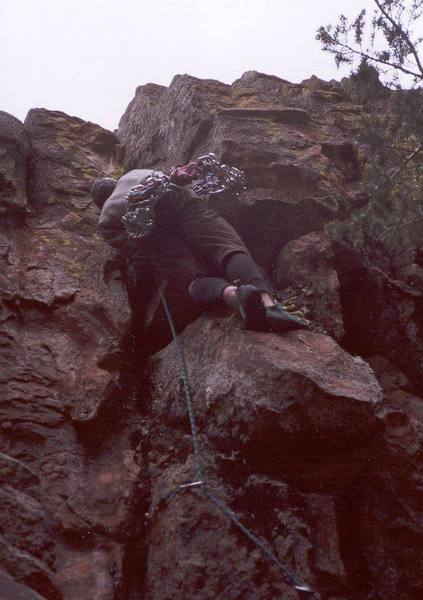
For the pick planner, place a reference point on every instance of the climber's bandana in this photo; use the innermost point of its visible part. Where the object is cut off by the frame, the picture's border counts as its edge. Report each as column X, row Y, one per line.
column 206, row 176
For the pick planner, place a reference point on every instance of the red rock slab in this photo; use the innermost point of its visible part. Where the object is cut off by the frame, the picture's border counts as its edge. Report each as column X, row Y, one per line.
column 274, row 398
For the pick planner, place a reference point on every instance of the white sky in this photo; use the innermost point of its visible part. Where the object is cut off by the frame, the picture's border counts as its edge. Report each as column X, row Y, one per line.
column 86, row 57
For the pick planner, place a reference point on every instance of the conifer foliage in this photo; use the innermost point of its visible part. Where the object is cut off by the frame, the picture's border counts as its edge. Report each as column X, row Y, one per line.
column 384, row 49
column 387, row 39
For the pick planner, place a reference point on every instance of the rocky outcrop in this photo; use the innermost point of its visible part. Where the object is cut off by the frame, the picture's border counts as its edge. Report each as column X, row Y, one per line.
column 313, row 438
column 297, row 166
column 391, row 323
column 60, row 324
column 14, row 147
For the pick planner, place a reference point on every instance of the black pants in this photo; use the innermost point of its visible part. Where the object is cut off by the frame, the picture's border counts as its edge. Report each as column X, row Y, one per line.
column 197, row 245
column 239, row 268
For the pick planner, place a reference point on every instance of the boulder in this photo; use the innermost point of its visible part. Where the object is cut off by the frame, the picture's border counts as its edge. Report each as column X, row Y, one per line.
column 280, row 419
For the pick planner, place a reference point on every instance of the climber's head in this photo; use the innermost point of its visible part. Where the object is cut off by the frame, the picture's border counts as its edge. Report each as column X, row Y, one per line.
column 102, row 189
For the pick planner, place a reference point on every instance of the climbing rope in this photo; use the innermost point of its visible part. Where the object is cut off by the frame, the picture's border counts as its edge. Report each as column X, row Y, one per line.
column 290, row 576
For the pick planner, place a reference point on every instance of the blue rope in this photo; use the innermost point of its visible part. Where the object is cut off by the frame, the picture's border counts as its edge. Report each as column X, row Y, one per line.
column 292, row 578
column 187, row 393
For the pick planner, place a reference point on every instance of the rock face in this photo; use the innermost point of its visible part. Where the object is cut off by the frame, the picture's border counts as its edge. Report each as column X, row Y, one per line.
column 269, row 421
column 306, row 268
column 296, row 164
column 14, row 146
column 60, row 321
column 313, row 438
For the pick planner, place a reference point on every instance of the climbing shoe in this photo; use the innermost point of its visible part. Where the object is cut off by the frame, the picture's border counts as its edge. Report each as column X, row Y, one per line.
column 250, row 307
column 280, row 320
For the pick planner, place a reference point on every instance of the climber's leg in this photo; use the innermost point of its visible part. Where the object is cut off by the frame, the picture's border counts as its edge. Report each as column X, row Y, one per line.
column 252, row 298
column 246, row 298
column 249, row 296
column 257, row 308
column 241, row 268
column 214, row 242
column 208, row 235
column 208, row 290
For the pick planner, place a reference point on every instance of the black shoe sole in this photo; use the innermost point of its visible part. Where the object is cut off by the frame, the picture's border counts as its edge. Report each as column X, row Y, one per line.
column 282, row 322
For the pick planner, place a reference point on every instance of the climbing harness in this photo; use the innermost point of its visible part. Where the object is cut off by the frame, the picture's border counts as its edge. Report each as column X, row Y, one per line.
column 205, row 176
column 201, row 481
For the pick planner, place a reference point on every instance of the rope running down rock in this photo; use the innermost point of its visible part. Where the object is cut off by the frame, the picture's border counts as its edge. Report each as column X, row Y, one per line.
column 201, row 483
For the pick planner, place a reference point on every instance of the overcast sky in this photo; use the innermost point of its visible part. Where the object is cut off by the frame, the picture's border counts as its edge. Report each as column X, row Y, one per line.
column 86, row 57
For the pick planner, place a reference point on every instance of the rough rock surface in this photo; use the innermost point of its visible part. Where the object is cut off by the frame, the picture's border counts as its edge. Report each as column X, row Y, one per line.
column 313, row 438
column 14, row 147
column 298, row 164
column 305, row 268
column 269, row 419
column 60, row 324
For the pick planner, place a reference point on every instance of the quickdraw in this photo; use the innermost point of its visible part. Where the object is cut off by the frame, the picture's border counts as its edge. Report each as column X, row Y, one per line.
column 205, row 176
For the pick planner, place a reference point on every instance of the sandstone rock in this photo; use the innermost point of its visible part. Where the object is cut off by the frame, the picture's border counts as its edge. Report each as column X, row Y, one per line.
column 294, row 435
column 67, row 155
column 390, row 525
column 14, row 148
column 60, row 321
column 89, row 572
column 238, row 378
column 204, row 556
column 26, row 547
column 382, row 315
column 412, row 274
column 306, row 267
column 9, row 588
column 182, row 113
column 295, row 170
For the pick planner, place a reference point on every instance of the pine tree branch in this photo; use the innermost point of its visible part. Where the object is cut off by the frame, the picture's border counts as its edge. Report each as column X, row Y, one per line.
column 373, row 58
column 402, row 33
column 405, row 161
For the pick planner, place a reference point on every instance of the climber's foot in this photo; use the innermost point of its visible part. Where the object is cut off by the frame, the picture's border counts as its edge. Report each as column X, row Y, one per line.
column 279, row 320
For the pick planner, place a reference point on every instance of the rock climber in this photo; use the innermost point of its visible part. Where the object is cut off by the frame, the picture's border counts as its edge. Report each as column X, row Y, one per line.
column 151, row 206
